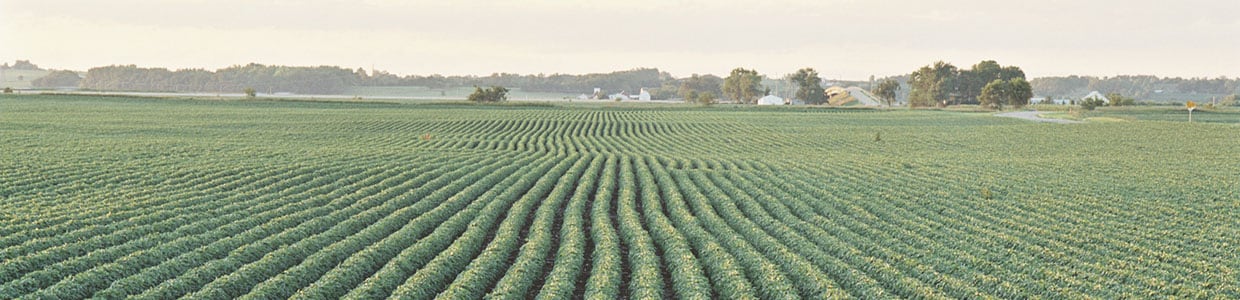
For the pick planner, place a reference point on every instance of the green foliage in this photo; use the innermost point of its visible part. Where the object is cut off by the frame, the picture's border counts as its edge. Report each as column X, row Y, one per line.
column 973, row 80
column 997, row 93
column 705, row 98
column 944, row 84
column 249, row 92
column 809, row 86
column 932, row 86
column 1019, row 92
column 1091, row 103
column 488, row 95
column 300, row 80
column 886, row 90
column 8, row 90
column 57, row 79
column 253, row 200
column 1116, row 99
column 695, row 85
column 743, row 86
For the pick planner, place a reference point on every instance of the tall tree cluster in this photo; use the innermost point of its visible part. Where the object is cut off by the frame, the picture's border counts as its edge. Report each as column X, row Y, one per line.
column 942, row 83
column 743, row 86
column 1015, row 92
column 933, row 85
column 694, row 86
column 491, row 94
column 809, row 86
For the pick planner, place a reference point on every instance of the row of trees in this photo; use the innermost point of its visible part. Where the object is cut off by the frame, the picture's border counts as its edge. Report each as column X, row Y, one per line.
column 741, row 86
column 1142, row 86
column 57, row 79
column 745, row 86
column 20, row 65
column 619, row 81
column 336, row 80
column 942, row 84
column 269, row 79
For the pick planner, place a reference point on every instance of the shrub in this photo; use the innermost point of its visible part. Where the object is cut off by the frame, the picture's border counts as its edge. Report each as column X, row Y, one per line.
column 1091, row 103
column 491, row 94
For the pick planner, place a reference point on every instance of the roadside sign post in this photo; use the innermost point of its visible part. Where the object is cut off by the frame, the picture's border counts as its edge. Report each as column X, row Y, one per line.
column 1191, row 106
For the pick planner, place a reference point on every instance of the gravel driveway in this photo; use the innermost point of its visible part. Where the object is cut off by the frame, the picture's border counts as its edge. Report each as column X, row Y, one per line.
column 1033, row 116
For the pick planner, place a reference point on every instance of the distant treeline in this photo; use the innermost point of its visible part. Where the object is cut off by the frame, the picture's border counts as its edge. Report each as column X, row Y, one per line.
column 1140, row 87
column 337, row 80
column 57, row 79
column 631, row 81
column 956, row 83
column 20, row 65
column 267, row 79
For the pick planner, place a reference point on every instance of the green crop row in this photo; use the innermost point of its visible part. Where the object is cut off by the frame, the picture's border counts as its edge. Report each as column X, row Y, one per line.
column 114, row 197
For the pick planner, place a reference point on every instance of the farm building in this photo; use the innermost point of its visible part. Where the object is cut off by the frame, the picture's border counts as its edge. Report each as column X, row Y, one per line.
column 771, row 100
column 833, row 91
column 1045, row 100
column 1097, row 95
column 619, row 96
column 643, row 96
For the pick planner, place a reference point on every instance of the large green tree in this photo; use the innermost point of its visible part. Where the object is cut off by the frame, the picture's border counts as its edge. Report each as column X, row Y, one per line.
column 1015, row 92
column 974, row 79
column 886, row 90
column 1019, row 91
column 743, row 86
column 994, row 94
column 809, row 86
column 693, row 86
column 933, row 85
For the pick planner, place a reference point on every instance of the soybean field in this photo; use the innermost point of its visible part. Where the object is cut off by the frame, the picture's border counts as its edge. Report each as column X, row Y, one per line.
column 120, row 197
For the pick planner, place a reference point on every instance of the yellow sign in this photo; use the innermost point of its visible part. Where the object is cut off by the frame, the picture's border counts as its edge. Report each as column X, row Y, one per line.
column 1191, row 105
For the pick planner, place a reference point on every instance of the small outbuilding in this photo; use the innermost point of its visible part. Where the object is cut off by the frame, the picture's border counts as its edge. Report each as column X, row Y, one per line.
column 771, row 100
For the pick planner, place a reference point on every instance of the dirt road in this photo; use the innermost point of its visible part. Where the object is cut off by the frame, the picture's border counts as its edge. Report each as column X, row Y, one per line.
column 1033, row 116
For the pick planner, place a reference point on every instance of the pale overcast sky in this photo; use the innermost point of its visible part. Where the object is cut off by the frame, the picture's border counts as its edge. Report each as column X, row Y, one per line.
column 840, row 38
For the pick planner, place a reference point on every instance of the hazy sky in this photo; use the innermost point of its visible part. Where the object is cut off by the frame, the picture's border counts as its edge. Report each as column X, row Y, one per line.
column 840, row 38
